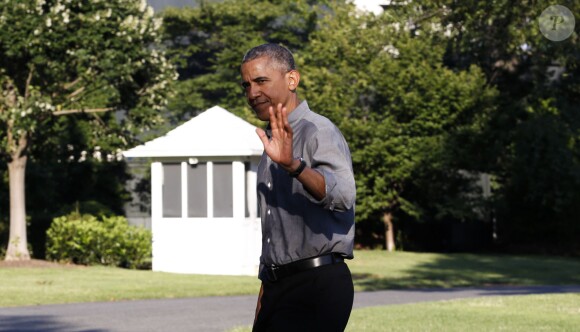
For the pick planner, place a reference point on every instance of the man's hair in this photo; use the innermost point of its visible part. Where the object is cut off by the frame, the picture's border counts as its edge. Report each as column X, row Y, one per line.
column 279, row 54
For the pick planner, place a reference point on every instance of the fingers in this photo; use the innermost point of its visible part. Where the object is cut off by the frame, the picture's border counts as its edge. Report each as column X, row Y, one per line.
column 287, row 126
column 273, row 122
column 279, row 118
column 283, row 120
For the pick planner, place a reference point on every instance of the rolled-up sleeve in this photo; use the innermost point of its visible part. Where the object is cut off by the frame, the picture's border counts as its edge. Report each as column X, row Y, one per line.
column 328, row 154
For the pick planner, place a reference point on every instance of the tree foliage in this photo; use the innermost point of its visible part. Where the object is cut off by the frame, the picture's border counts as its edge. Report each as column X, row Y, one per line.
column 207, row 44
column 63, row 57
column 530, row 144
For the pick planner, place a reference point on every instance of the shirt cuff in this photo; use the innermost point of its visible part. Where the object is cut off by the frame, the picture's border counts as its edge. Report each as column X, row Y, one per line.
column 330, row 183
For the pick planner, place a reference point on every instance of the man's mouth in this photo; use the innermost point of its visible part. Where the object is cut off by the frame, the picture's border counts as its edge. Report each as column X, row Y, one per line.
column 260, row 102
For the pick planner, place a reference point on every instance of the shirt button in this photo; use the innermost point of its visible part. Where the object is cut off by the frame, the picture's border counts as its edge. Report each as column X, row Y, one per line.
column 269, row 212
column 268, row 240
column 269, row 185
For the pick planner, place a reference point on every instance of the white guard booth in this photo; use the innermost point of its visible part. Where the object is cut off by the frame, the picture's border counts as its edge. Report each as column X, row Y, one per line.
column 204, row 215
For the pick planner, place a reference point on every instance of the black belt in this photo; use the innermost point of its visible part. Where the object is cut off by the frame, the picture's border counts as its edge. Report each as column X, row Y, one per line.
column 277, row 272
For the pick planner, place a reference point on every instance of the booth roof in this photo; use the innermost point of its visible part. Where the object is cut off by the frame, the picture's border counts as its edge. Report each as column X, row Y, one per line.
column 214, row 132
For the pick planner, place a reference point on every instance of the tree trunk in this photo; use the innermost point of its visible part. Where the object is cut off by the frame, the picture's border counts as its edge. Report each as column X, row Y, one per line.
column 18, row 242
column 389, row 231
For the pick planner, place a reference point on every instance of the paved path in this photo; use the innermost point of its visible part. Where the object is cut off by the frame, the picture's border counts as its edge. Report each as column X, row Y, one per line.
column 208, row 314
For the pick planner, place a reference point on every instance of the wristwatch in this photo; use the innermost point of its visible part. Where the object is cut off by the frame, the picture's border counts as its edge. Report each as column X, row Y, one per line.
column 299, row 169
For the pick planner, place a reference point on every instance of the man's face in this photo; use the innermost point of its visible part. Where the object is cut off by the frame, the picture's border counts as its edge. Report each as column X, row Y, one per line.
column 265, row 85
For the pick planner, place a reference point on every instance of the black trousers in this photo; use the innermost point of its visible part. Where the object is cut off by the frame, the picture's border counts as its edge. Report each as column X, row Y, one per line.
column 316, row 300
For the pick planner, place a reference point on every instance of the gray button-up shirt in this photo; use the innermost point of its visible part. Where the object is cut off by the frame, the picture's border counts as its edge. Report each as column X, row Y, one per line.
column 294, row 224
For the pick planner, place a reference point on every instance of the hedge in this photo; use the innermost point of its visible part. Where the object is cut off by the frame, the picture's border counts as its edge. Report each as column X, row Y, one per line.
column 86, row 240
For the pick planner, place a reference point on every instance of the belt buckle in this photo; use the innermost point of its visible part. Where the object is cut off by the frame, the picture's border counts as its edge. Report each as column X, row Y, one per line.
column 271, row 272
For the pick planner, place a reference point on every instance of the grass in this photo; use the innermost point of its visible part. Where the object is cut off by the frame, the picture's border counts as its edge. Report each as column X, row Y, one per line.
column 35, row 286
column 557, row 312
column 375, row 270
column 372, row 270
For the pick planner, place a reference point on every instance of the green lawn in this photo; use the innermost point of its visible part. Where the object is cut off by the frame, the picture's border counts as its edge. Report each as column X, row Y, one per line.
column 31, row 286
column 371, row 270
column 554, row 312
column 374, row 270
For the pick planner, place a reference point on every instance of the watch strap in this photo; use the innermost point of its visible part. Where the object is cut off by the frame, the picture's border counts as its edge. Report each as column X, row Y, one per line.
column 299, row 169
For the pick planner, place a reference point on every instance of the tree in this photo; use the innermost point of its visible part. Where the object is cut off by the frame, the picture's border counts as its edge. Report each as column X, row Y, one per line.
column 382, row 79
column 94, row 61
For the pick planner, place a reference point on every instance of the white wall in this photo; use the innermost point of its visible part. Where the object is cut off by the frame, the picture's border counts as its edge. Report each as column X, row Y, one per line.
column 228, row 246
column 206, row 246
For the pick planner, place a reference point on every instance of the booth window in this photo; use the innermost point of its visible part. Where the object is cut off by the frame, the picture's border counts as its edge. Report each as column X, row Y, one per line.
column 223, row 193
column 171, row 190
column 197, row 190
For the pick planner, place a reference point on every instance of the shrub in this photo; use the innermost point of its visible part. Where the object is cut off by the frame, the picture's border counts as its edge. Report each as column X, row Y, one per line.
column 84, row 239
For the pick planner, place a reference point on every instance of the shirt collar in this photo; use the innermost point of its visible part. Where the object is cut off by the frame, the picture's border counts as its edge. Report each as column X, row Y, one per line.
column 298, row 113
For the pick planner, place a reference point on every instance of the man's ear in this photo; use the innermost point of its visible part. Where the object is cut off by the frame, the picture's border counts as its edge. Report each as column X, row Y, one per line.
column 293, row 80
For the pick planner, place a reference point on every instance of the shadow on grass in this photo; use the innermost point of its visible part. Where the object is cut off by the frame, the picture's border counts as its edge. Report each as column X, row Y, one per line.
column 33, row 323
column 470, row 270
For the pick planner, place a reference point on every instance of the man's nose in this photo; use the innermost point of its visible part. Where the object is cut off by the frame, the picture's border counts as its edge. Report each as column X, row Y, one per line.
column 254, row 91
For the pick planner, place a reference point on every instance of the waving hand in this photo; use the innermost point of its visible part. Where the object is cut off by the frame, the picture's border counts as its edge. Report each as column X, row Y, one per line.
column 279, row 147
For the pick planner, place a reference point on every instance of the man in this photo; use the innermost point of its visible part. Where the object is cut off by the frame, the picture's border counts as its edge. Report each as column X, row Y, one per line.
column 306, row 192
